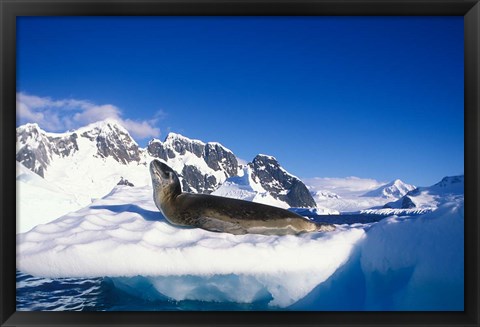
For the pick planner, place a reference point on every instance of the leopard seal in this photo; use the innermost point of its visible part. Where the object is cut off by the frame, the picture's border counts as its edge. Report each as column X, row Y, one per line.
column 221, row 214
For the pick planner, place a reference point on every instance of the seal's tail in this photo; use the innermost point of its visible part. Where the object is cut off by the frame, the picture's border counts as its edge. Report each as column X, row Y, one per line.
column 324, row 227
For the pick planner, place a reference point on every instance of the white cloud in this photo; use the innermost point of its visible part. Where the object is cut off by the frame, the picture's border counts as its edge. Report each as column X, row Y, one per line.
column 60, row 115
column 25, row 112
column 242, row 161
column 141, row 129
column 344, row 185
column 97, row 113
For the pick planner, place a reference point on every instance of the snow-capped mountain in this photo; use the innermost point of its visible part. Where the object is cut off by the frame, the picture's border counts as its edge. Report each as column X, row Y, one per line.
column 112, row 140
column 353, row 194
column 256, row 183
column 324, row 194
column 200, row 166
column 244, row 187
column 431, row 197
column 393, row 190
column 449, row 185
column 36, row 149
column 278, row 182
column 91, row 160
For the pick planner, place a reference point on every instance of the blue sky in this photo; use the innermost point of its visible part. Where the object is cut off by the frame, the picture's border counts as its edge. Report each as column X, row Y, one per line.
column 372, row 97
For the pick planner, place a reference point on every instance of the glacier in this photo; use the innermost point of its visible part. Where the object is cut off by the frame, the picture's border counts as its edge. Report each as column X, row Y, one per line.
column 399, row 263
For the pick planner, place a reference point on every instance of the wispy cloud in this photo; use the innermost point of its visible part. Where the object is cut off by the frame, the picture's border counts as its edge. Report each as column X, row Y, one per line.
column 63, row 114
column 343, row 185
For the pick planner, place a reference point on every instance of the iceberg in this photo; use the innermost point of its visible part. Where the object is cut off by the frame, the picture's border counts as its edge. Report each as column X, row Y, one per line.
column 133, row 243
column 411, row 263
column 398, row 263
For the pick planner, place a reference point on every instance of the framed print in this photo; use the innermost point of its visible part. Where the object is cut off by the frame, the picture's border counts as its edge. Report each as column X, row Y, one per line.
column 248, row 163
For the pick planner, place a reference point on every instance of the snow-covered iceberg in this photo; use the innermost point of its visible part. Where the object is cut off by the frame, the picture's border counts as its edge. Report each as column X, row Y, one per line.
column 116, row 238
column 416, row 263
column 399, row 263
column 403, row 263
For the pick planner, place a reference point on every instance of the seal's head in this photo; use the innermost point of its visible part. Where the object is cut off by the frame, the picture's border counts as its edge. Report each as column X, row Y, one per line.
column 165, row 182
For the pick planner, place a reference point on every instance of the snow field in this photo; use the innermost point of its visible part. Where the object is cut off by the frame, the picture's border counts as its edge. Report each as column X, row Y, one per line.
column 41, row 201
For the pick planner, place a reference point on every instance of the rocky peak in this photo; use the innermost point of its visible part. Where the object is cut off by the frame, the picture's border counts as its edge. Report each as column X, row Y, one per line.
column 112, row 140
column 205, row 165
column 277, row 181
column 94, row 129
column 36, row 148
column 182, row 144
column 450, row 186
column 115, row 141
column 218, row 157
column 29, row 133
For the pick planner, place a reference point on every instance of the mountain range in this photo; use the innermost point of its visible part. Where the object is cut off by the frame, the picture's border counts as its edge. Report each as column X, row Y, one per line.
column 63, row 172
column 393, row 190
column 432, row 196
column 93, row 159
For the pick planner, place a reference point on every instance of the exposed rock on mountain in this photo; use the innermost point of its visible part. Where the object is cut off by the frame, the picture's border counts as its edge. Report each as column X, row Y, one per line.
column 125, row 182
column 201, row 166
column 112, row 140
column 36, row 148
column 93, row 159
column 432, row 196
column 276, row 180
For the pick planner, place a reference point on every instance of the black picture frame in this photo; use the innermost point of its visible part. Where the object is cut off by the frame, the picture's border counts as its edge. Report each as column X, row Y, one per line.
column 10, row 9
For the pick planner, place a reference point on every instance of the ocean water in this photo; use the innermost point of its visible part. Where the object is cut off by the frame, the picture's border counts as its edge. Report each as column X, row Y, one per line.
column 100, row 294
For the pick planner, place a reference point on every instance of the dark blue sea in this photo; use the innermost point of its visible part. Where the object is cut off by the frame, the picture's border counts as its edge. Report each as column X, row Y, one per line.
column 100, row 294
